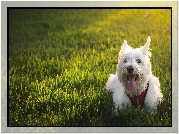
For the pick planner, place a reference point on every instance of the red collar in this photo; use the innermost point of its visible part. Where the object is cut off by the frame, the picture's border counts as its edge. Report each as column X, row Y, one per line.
column 140, row 97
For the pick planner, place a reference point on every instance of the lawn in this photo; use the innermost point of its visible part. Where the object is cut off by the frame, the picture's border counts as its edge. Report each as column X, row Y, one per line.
column 60, row 59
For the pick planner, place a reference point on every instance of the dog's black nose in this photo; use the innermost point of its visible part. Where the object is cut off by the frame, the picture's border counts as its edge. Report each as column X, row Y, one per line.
column 130, row 69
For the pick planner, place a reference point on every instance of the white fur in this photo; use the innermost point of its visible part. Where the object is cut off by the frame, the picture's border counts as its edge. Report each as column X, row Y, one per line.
column 117, row 83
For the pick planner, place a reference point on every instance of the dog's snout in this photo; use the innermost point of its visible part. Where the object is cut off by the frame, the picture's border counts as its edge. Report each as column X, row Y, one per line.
column 130, row 69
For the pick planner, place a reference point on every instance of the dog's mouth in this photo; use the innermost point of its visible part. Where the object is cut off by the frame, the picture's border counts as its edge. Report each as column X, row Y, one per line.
column 131, row 81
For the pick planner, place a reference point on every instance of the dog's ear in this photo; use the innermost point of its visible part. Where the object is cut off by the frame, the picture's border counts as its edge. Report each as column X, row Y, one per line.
column 123, row 49
column 145, row 48
column 125, row 45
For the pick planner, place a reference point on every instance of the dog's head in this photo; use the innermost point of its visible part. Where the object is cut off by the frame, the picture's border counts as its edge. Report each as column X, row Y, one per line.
column 134, row 65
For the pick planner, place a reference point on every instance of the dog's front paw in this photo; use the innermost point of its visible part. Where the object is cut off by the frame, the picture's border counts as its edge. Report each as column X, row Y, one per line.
column 115, row 113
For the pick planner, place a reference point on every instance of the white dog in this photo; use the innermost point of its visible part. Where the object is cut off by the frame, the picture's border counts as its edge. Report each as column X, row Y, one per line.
column 134, row 82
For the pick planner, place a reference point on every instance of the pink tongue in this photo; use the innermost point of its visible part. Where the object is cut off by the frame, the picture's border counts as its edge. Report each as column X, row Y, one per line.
column 131, row 83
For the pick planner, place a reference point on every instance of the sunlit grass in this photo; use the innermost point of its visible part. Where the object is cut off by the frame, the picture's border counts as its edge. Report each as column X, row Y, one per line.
column 59, row 61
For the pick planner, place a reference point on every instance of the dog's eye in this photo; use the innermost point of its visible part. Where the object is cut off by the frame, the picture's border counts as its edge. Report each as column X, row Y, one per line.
column 138, row 61
column 125, row 60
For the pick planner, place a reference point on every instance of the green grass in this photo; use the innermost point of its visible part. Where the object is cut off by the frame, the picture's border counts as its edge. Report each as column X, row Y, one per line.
column 59, row 62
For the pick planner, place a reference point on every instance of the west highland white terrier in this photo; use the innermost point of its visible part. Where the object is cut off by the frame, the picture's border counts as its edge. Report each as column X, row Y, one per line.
column 134, row 82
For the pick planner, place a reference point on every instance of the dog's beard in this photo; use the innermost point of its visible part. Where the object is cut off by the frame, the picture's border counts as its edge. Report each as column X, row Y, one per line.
column 132, row 80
